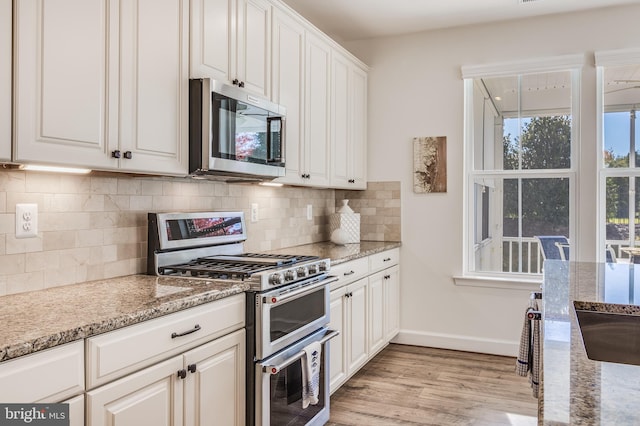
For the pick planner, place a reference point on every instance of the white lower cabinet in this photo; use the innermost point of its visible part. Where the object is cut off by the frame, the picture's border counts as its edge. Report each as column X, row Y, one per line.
column 153, row 396
column 364, row 308
column 215, row 390
column 349, row 315
column 198, row 387
column 185, row 368
column 76, row 410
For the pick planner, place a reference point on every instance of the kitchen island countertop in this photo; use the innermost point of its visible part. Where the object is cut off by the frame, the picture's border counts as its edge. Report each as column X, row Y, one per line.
column 43, row 319
column 575, row 389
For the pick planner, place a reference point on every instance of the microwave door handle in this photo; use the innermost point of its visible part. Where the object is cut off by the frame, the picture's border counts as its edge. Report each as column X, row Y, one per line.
column 274, row 369
column 276, row 299
column 270, row 157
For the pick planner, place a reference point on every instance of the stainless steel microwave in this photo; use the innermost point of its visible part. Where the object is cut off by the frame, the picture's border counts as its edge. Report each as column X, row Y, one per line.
column 233, row 133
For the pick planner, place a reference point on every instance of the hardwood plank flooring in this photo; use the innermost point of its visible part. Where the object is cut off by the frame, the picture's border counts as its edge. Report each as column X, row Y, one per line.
column 411, row 385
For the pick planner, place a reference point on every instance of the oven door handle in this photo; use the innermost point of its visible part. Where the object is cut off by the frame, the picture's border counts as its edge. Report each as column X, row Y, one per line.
column 277, row 298
column 275, row 369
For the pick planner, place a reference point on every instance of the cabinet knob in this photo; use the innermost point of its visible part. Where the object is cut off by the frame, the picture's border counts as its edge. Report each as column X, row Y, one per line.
column 235, row 82
column 352, row 181
column 116, row 154
column 191, row 368
column 128, row 155
column 182, row 373
column 241, row 84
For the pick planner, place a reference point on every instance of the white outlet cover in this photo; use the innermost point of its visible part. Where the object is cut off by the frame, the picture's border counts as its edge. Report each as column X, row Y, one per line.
column 254, row 212
column 26, row 220
column 309, row 211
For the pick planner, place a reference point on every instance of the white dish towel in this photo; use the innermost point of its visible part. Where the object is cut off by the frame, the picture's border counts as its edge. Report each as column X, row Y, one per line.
column 311, row 374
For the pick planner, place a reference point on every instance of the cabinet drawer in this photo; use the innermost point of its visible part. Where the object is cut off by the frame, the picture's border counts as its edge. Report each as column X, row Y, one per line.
column 117, row 353
column 349, row 272
column 383, row 260
column 47, row 376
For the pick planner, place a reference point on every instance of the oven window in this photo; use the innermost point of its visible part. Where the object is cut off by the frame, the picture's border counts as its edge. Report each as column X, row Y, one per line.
column 296, row 313
column 286, row 396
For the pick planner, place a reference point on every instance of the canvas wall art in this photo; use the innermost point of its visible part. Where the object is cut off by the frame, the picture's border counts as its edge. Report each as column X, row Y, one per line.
column 430, row 164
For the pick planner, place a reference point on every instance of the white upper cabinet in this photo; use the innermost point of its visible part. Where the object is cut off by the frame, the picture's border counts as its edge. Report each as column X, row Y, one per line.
column 5, row 80
column 307, row 155
column 102, row 84
column 316, row 147
column 348, row 123
column 288, row 87
column 154, row 86
column 60, row 110
column 231, row 42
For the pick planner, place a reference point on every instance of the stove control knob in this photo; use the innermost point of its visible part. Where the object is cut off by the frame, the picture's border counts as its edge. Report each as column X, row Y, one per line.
column 276, row 279
column 290, row 275
column 323, row 266
column 313, row 269
column 301, row 272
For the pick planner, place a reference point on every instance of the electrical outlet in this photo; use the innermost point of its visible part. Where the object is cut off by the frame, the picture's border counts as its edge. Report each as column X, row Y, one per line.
column 254, row 212
column 309, row 211
column 26, row 220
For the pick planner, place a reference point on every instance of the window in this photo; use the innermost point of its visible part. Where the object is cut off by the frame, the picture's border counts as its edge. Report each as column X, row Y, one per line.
column 520, row 141
column 620, row 162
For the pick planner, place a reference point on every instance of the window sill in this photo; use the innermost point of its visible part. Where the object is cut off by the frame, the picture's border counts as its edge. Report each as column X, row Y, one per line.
column 499, row 282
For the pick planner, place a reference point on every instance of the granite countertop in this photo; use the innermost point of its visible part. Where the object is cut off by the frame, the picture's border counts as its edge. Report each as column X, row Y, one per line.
column 575, row 389
column 43, row 319
column 340, row 254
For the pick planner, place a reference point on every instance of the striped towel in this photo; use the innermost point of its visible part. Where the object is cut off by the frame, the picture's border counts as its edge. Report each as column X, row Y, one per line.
column 528, row 361
column 522, row 363
column 311, row 374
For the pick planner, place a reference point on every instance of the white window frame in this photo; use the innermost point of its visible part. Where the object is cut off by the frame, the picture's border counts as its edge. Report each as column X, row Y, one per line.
column 605, row 59
column 570, row 63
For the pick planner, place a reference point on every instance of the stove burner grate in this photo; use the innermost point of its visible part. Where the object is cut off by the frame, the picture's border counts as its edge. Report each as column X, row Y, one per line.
column 238, row 267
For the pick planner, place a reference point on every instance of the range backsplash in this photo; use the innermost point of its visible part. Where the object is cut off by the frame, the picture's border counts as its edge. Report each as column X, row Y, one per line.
column 95, row 227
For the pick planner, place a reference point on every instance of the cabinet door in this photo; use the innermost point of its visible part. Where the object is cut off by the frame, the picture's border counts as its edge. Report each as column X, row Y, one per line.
column 253, row 51
column 358, row 318
column 153, row 396
column 376, row 313
column 5, row 79
column 62, row 82
column 348, row 123
column 215, row 391
column 288, row 88
column 76, row 410
column 213, row 38
column 317, row 70
column 391, row 279
column 154, row 36
column 358, row 133
column 338, row 355
column 340, row 128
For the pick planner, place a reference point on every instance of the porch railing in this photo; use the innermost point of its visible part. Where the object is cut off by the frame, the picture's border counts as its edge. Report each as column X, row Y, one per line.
column 523, row 254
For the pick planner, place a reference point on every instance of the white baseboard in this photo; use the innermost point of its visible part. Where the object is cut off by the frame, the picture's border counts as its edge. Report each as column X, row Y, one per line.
column 457, row 342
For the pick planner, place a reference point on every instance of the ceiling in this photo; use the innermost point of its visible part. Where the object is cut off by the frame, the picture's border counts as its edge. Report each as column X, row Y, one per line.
column 348, row 20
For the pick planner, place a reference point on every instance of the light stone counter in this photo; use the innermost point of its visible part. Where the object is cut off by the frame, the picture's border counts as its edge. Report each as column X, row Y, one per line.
column 43, row 319
column 340, row 254
column 575, row 389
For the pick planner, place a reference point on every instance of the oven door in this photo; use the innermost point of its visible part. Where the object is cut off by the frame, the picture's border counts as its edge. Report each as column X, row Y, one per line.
column 287, row 314
column 279, row 386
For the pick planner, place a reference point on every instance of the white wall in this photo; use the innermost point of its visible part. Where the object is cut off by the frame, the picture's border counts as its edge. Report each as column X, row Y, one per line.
column 415, row 89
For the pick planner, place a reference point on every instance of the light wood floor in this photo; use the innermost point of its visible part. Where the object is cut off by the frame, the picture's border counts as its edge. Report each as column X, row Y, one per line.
column 409, row 385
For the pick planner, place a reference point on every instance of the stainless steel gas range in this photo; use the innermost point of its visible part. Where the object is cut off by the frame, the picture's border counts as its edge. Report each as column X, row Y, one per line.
column 287, row 309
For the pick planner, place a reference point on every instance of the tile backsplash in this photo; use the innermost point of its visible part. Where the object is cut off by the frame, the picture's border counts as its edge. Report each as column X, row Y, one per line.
column 379, row 208
column 95, row 226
